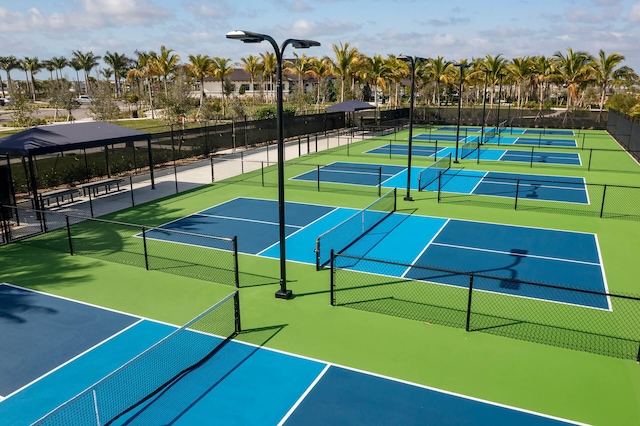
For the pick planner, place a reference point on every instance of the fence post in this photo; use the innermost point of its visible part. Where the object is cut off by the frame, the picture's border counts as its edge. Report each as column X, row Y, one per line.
column 332, row 279
column 318, row 167
column 90, row 201
column 262, row 172
column 235, row 259
column 144, row 245
column 604, row 193
column 213, row 177
column 435, row 153
column 308, row 145
column 638, row 357
column 69, row 235
column 467, row 326
column 242, row 162
column 515, row 205
column 133, row 201
column 299, row 148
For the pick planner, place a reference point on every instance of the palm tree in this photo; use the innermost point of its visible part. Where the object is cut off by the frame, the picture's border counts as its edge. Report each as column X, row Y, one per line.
column 269, row 66
column 439, row 71
column 49, row 66
column 379, row 69
column 59, row 64
column 398, row 70
column 145, row 69
column 520, row 69
column 31, row 66
column 199, row 67
column 543, row 68
column 605, row 72
column 76, row 65
column 8, row 63
column 300, row 67
column 220, row 70
column 497, row 66
column 119, row 63
column 320, row 69
column 343, row 66
column 166, row 62
column 573, row 70
column 88, row 61
column 252, row 66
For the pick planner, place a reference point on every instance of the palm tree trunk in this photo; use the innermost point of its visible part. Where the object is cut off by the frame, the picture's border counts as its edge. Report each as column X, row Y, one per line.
column 153, row 115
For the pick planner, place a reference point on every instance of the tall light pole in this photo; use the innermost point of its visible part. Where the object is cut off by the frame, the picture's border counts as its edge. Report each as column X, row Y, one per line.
column 251, row 37
column 412, row 60
column 484, row 102
column 462, row 67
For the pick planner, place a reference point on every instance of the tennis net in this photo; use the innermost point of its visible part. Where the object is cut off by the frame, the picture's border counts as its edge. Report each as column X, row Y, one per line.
column 345, row 234
column 469, row 148
column 431, row 173
column 489, row 134
column 153, row 370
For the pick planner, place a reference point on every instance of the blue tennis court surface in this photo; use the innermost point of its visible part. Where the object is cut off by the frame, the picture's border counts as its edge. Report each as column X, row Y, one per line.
column 241, row 384
column 563, row 258
column 511, row 185
column 510, row 130
column 513, row 155
column 540, row 141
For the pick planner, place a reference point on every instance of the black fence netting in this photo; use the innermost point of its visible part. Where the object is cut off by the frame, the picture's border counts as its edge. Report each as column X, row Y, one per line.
column 169, row 144
column 574, row 318
column 625, row 130
column 193, row 255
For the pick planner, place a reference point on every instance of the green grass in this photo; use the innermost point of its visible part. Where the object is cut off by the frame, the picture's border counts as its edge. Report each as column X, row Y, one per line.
column 556, row 381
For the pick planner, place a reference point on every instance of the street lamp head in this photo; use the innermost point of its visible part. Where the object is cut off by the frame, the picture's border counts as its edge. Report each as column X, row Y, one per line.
column 246, row 36
column 461, row 65
column 405, row 58
column 304, row 44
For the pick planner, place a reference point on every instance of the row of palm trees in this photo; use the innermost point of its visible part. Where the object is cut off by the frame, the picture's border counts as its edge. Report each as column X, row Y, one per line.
column 525, row 78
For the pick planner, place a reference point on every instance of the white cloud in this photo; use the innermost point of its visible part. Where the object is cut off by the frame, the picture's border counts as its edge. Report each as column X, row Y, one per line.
column 634, row 13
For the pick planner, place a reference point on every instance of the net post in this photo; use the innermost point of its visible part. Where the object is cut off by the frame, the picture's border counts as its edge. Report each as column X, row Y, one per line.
column 318, row 174
column 467, row 326
column 531, row 159
column 515, row 204
column 590, row 155
column 379, row 182
column 395, row 199
column 144, row 245
column 583, row 137
column 390, row 147
column 439, row 185
column 317, row 251
column 332, row 279
column 69, row 235
column 299, row 148
column 638, row 356
column 242, row 162
column 604, row 193
column 262, row 172
column 213, row 176
column 235, row 261
column 236, row 310
column 435, row 153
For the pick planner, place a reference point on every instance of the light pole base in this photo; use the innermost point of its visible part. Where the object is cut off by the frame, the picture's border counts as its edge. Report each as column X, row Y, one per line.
column 408, row 198
column 284, row 294
column 456, row 161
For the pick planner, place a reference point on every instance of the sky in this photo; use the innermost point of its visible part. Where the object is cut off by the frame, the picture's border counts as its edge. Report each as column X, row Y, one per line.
column 453, row 29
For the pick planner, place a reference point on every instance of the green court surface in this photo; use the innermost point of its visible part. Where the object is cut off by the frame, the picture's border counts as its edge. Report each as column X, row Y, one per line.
column 579, row 386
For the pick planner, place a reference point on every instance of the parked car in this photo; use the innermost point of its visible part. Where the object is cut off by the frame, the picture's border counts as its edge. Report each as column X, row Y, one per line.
column 84, row 99
column 5, row 101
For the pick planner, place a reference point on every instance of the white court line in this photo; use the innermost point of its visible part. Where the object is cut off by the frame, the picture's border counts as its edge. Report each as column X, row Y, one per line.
column 242, row 219
column 304, row 395
column 425, row 248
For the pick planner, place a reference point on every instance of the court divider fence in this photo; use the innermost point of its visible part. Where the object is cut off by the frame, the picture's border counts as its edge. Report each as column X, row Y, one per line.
column 537, row 312
column 188, row 254
column 604, row 200
column 153, row 370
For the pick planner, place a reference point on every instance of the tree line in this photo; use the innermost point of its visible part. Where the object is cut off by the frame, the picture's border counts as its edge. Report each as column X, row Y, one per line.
column 571, row 79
